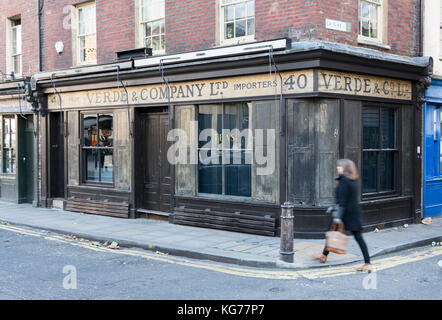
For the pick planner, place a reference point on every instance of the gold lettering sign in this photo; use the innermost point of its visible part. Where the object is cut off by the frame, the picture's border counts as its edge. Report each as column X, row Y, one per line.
column 250, row 86
column 206, row 90
column 368, row 86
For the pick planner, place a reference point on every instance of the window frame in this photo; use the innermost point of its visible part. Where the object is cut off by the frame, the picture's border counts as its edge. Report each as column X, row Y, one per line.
column 396, row 151
column 141, row 28
column 77, row 40
column 14, row 24
column 223, row 194
column 221, row 24
column 13, row 147
column 83, row 166
column 381, row 24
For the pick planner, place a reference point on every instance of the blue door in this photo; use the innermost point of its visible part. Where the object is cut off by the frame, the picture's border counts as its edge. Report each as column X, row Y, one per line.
column 432, row 189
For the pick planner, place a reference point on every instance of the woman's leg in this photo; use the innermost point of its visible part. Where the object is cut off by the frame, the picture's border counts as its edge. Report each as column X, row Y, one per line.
column 360, row 240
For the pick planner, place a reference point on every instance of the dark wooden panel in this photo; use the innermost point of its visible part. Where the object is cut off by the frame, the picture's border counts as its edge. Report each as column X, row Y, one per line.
column 225, row 220
column 113, row 209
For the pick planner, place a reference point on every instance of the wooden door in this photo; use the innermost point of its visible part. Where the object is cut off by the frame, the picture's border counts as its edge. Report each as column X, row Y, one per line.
column 157, row 170
column 56, row 156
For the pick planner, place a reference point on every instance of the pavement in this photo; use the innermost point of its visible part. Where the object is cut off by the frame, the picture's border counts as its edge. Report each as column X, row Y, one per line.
column 210, row 244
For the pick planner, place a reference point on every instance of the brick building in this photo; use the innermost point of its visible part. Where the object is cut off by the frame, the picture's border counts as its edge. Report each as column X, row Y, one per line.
column 325, row 80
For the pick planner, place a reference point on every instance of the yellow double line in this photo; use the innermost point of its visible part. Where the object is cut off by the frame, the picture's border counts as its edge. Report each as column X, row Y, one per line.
column 337, row 271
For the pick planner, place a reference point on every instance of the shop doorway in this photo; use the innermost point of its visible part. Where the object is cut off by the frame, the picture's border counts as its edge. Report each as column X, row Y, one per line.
column 26, row 158
column 56, row 156
column 155, row 169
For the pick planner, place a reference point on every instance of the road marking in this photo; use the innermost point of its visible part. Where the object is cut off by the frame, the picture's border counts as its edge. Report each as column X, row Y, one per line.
column 317, row 273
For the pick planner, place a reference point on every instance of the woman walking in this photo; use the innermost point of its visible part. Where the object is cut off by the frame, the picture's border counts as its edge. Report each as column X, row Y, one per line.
column 347, row 198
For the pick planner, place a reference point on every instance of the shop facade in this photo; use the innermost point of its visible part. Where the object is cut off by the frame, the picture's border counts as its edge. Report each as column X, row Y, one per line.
column 222, row 142
column 18, row 141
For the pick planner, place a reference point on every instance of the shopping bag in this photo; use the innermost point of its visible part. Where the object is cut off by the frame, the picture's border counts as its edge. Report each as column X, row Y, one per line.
column 336, row 240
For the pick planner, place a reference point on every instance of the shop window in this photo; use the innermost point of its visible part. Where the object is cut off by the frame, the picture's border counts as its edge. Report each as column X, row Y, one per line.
column 14, row 46
column 9, row 143
column 371, row 20
column 98, row 148
column 237, row 20
column 379, row 150
column 152, row 22
column 224, row 165
column 86, row 42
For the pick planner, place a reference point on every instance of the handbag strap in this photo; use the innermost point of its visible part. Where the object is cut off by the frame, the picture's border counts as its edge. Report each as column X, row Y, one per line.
column 337, row 226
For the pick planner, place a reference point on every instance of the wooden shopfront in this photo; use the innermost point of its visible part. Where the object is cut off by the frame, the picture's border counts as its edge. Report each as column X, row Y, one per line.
column 122, row 157
column 17, row 132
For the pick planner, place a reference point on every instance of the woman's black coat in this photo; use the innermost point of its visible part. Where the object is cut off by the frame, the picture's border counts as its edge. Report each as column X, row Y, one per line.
column 347, row 197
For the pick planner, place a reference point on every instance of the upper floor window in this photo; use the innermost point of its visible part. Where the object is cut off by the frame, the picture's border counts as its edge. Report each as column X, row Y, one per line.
column 14, row 47
column 370, row 20
column 237, row 19
column 152, row 21
column 86, row 34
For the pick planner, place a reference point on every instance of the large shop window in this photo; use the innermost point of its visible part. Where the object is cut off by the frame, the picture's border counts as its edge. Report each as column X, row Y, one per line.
column 98, row 148
column 379, row 150
column 225, row 167
column 9, row 143
column 437, row 142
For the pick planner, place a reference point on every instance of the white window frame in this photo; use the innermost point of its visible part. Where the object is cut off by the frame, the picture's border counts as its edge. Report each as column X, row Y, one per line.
column 141, row 27
column 221, row 24
column 10, row 54
column 77, row 36
column 381, row 24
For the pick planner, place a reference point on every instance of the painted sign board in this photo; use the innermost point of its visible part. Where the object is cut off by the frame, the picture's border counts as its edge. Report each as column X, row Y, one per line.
column 261, row 85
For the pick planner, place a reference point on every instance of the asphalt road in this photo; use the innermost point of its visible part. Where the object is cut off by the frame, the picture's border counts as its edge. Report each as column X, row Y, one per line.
column 36, row 264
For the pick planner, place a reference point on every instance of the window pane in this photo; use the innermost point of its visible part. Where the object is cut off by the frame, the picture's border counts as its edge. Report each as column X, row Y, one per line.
column 92, row 164
column 369, row 172
column 250, row 26
column 105, row 126
column 107, row 166
column 210, row 175
column 156, row 28
column 386, row 171
column 370, row 121
column 387, row 129
column 251, row 9
column 238, row 175
column 147, row 29
column 240, row 28
column 240, row 11
column 365, row 28
column 156, row 43
column 365, row 10
column 90, row 130
column 229, row 30
column 229, row 13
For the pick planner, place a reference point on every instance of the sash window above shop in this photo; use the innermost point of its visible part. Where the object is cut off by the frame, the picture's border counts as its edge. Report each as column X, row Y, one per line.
column 98, row 148
column 152, row 22
column 14, row 46
column 371, row 22
column 379, row 150
column 9, row 144
column 237, row 20
column 86, row 42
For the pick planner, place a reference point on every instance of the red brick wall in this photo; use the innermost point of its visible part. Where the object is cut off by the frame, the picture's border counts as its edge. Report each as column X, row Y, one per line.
column 27, row 10
column 192, row 25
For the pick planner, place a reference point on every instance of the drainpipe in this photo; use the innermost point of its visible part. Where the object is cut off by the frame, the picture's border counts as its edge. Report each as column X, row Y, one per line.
column 36, row 202
column 421, row 28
